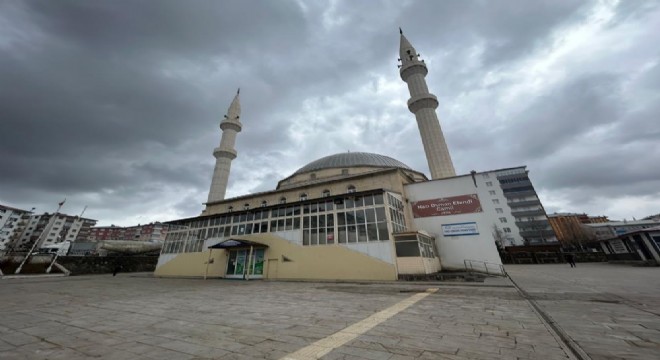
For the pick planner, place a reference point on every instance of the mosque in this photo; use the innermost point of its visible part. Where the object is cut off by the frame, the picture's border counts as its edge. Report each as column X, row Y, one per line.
column 356, row 216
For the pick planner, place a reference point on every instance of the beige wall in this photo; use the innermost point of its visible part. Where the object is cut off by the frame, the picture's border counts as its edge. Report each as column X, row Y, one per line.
column 331, row 262
column 417, row 265
column 194, row 264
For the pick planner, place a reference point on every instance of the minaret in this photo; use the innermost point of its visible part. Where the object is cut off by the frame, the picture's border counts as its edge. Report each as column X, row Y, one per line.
column 225, row 153
column 423, row 104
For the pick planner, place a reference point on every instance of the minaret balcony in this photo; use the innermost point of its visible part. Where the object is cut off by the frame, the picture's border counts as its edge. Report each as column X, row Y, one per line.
column 422, row 101
column 412, row 68
column 225, row 153
column 231, row 124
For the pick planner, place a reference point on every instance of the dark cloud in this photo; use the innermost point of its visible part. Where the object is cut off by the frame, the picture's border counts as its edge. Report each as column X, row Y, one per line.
column 116, row 104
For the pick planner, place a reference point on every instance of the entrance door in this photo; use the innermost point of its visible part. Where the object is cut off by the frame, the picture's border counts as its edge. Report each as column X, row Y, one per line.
column 237, row 264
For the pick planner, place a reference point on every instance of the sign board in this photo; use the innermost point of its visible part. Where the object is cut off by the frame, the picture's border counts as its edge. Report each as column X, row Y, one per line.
column 462, row 204
column 460, row 229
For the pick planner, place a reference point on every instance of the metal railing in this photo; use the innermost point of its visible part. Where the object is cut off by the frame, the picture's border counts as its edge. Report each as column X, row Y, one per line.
column 484, row 267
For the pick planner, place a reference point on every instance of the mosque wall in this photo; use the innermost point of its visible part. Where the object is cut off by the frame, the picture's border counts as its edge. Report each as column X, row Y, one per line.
column 461, row 233
column 391, row 180
column 287, row 261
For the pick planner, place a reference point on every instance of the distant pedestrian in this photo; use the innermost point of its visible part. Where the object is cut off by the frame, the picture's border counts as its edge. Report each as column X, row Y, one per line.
column 571, row 260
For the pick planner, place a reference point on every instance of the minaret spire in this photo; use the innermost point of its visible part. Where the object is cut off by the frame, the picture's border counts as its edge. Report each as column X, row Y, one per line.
column 423, row 104
column 225, row 153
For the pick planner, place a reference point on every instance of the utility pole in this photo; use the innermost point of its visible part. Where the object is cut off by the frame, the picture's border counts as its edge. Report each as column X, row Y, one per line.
column 45, row 231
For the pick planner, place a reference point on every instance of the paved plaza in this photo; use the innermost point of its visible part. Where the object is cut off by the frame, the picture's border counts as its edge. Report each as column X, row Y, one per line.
column 135, row 316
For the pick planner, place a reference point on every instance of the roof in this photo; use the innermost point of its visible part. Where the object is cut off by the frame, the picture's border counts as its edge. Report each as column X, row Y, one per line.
column 623, row 223
column 352, row 159
column 236, row 243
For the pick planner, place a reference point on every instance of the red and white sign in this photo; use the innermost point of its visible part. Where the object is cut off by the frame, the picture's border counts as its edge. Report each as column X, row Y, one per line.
column 462, row 204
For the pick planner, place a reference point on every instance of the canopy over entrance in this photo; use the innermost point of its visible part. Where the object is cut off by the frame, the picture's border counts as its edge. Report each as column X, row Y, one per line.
column 235, row 243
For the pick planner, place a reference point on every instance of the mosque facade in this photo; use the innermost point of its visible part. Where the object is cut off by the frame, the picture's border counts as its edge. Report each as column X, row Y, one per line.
column 357, row 216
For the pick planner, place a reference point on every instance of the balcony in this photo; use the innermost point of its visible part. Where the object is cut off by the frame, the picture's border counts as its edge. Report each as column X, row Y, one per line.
column 521, row 213
column 537, row 233
column 516, row 204
column 516, row 184
column 522, row 193
column 533, row 224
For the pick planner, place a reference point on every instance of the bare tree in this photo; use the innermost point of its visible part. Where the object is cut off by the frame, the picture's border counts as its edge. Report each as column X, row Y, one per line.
column 500, row 238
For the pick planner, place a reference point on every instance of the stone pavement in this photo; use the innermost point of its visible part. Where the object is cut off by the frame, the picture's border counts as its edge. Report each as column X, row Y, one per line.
column 610, row 311
column 139, row 317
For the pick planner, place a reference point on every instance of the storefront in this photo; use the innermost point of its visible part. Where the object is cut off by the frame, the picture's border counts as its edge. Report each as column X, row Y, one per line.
column 245, row 259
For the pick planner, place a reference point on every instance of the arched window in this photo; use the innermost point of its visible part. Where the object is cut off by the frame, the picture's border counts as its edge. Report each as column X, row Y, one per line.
column 351, row 189
column 246, row 206
column 312, row 176
column 264, row 203
column 282, row 200
column 230, row 209
column 303, row 196
column 326, row 193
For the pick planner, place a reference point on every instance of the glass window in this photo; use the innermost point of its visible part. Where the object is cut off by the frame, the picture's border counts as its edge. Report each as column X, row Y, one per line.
column 496, row 201
column 378, row 199
column 303, row 197
column 351, row 189
column 372, row 232
column 325, row 193
column 282, row 200
column 368, row 200
column 407, row 249
column 314, row 237
column 359, row 202
column 341, row 219
column 296, row 223
column 502, row 219
column 342, row 234
column 322, row 239
column 330, row 220
column 362, row 233
column 305, row 237
column 489, row 183
column 350, row 218
column 329, row 205
column 348, row 203
column 352, row 234
column 264, row 203
column 499, row 210
column 370, row 215
column 359, row 216
column 383, row 232
column 380, row 214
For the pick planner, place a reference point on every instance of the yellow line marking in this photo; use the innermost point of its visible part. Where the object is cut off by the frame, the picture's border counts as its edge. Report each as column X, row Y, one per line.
column 325, row 345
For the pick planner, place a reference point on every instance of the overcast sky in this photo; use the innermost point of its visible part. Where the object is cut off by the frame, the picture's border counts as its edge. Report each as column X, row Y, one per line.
column 116, row 104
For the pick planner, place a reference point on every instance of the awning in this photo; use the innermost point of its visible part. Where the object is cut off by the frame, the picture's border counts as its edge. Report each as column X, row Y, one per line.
column 234, row 243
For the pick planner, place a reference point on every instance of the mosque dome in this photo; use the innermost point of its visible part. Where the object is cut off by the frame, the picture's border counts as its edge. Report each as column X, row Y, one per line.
column 352, row 159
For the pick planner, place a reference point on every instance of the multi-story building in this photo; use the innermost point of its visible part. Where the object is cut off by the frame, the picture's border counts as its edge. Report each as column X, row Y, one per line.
column 149, row 232
column 10, row 223
column 523, row 218
column 50, row 229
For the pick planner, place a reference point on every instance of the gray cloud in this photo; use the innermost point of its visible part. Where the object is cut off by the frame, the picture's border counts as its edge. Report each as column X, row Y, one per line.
column 116, row 104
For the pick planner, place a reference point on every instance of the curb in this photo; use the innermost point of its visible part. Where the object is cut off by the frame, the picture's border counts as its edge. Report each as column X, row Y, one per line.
column 559, row 333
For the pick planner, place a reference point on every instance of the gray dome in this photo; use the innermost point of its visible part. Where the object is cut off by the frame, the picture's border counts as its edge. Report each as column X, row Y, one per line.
column 352, row 159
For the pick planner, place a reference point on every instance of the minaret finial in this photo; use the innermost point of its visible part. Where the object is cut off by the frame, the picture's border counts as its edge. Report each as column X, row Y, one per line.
column 400, row 31
column 239, row 91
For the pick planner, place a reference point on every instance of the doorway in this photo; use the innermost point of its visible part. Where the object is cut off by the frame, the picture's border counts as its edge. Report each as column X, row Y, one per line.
column 239, row 266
